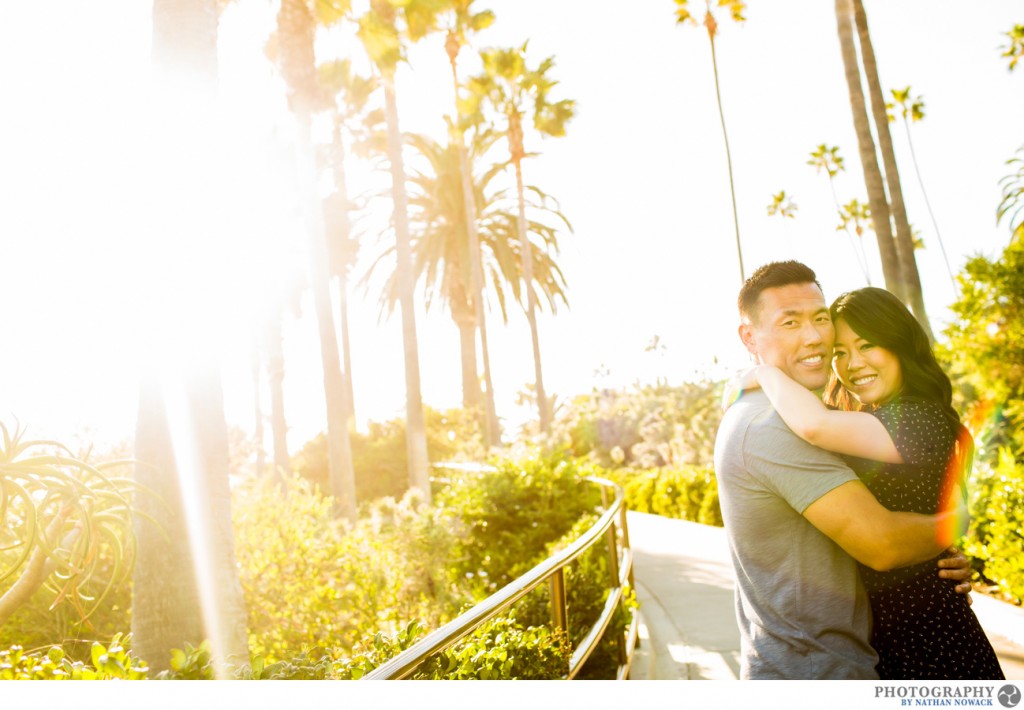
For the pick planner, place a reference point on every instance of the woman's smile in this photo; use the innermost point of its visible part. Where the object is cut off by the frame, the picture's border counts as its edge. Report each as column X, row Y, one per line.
column 871, row 373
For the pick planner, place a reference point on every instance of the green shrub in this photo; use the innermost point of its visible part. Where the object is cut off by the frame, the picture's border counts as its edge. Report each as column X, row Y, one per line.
column 311, row 581
column 505, row 519
column 379, row 457
column 997, row 513
column 192, row 663
column 295, row 569
column 688, row 493
column 985, row 351
column 105, row 663
column 502, row 649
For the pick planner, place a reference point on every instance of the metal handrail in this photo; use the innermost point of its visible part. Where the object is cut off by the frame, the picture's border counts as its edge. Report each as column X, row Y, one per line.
column 621, row 558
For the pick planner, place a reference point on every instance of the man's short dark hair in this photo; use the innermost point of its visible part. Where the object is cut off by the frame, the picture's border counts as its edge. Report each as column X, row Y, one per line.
column 773, row 275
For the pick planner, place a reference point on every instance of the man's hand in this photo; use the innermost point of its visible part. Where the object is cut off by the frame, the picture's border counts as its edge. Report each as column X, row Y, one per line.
column 956, row 567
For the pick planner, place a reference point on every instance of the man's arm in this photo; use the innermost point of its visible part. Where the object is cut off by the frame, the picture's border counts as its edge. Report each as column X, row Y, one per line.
column 874, row 536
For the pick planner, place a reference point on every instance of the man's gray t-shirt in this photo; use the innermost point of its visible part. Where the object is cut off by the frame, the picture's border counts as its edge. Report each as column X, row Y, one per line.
column 800, row 604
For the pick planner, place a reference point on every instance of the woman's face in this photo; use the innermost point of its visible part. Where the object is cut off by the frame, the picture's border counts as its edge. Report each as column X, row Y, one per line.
column 871, row 373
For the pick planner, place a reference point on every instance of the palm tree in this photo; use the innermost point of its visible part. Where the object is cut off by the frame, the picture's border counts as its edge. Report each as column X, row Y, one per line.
column 877, row 201
column 185, row 583
column 273, row 348
column 827, row 158
column 357, row 128
column 441, row 255
column 1014, row 49
column 857, row 215
column 782, row 205
column 296, row 27
column 276, row 305
column 256, row 362
column 736, row 10
column 912, row 111
column 464, row 21
column 904, row 237
column 510, row 88
column 383, row 39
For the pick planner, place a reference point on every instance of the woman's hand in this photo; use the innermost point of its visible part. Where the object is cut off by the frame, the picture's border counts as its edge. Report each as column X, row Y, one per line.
column 741, row 381
column 747, row 379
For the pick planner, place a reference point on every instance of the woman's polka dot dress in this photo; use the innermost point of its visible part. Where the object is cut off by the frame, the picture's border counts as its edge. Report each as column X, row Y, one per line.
column 922, row 629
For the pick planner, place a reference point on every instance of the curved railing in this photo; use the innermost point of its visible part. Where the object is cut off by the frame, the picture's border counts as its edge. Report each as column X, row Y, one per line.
column 609, row 528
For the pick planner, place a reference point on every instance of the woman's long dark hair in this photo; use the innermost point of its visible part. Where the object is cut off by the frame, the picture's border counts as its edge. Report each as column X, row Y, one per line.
column 881, row 319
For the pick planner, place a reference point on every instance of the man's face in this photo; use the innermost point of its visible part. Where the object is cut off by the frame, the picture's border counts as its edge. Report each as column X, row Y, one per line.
column 792, row 330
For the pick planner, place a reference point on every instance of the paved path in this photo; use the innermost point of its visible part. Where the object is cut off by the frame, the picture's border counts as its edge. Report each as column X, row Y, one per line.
column 684, row 582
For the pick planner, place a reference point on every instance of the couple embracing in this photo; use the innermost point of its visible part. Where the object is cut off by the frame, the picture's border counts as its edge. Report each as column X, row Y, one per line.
column 839, row 512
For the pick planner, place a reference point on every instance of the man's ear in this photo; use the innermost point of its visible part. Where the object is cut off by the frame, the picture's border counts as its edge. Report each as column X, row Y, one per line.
column 746, row 331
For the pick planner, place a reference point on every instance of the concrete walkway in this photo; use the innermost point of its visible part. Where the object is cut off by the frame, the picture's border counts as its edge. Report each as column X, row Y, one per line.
column 684, row 582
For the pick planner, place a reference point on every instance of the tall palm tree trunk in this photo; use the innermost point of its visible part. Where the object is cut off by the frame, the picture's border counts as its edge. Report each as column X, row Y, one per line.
column 880, row 218
column 339, row 449
column 491, row 432
column 709, row 22
column 296, row 32
column 416, row 428
column 343, row 239
column 471, row 394
column 346, row 352
column 515, row 134
column 185, row 581
column 275, row 376
column 257, row 400
column 904, row 238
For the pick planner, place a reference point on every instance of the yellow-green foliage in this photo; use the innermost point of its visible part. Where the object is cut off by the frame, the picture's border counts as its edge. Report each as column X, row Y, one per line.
column 503, row 649
column 588, row 582
column 995, row 537
column 106, row 662
column 985, row 349
column 361, row 594
column 379, row 456
column 298, row 574
column 507, row 517
column 78, row 514
column 688, row 493
column 310, row 581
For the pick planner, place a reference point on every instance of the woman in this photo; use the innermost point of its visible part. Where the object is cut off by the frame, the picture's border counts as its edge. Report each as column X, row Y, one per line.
column 894, row 423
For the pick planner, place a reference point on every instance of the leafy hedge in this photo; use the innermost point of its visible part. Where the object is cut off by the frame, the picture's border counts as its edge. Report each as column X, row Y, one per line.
column 688, row 493
column 997, row 512
column 379, row 456
column 105, row 663
column 331, row 601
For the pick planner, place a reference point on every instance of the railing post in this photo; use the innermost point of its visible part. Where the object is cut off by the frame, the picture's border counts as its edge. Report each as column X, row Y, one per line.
column 625, row 543
column 613, row 554
column 559, row 613
column 613, row 569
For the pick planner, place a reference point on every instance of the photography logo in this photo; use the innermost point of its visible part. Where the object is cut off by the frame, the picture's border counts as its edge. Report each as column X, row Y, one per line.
column 1009, row 696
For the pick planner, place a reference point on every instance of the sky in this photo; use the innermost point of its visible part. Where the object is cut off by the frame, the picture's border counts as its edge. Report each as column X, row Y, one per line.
column 641, row 175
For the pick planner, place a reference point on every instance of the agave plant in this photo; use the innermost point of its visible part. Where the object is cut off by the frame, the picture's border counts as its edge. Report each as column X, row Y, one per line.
column 65, row 524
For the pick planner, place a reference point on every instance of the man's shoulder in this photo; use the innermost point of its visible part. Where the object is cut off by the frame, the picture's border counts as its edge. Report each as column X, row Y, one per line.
column 758, row 440
column 754, row 418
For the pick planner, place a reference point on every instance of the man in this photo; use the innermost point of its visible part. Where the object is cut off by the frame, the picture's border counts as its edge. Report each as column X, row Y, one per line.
column 796, row 517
